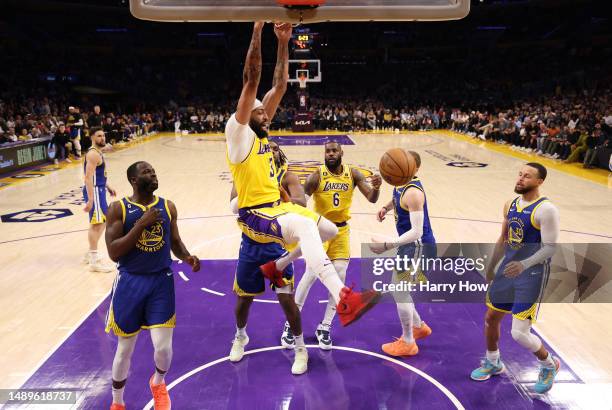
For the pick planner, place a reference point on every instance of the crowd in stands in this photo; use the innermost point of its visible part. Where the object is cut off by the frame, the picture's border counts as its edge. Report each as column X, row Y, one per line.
column 567, row 126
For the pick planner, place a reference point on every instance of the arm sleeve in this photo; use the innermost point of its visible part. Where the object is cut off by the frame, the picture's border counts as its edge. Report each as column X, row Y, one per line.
column 239, row 139
column 547, row 216
column 416, row 221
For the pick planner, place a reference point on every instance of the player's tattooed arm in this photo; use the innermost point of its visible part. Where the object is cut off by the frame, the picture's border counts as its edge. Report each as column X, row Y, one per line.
column 371, row 192
column 312, row 183
column 177, row 245
column 250, row 76
column 281, row 72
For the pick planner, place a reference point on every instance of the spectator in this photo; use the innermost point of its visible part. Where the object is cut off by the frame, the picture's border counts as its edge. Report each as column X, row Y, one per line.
column 595, row 142
column 61, row 141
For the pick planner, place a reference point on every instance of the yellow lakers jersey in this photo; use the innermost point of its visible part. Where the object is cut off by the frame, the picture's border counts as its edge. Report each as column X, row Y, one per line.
column 334, row 195
column 280, row 173
column 255, row 177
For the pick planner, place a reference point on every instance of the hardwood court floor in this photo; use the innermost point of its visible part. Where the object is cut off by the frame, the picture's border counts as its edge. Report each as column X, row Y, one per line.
column 47, row 291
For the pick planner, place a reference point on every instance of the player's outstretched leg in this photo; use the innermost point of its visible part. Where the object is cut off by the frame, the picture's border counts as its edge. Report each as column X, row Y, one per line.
column 351, row 305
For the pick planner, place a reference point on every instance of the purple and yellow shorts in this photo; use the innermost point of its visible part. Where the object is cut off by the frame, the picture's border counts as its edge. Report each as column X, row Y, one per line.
column 260, row 224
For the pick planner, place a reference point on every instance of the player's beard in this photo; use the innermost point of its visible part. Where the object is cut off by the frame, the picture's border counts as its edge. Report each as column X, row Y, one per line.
column 260, row 132
column 334, row 163
column 147, row 186
column 523, row 190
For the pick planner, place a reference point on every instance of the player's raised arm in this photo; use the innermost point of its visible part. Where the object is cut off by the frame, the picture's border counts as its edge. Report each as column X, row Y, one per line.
column 371, row 192
column 250, row 76
column 281, row 72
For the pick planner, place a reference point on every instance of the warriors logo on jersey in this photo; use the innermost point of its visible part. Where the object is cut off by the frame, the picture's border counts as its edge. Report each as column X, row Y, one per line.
column 152, row 238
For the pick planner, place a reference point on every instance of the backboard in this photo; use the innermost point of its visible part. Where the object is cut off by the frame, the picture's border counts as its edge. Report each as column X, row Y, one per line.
column 269, row 10
column 310, row 70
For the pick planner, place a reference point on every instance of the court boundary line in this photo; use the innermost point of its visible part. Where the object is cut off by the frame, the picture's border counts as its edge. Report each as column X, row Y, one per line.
column 63, row 341
column 560, row 353
column 354, row 213
column 449, row 395
column 504, row 150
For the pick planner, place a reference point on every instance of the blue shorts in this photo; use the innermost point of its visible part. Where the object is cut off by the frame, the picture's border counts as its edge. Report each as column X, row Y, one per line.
column 417, row 250
column 520, row 295
column 97, row 213
column 249, row 281
column 141, row 302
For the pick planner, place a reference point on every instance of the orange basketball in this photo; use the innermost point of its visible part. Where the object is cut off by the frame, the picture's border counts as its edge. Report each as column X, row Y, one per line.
column 397, row 167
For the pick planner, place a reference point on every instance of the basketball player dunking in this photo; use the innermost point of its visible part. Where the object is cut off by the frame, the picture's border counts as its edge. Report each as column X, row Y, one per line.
column 332, row 187
column 249, row 280
column 415, row 240
column 262, row 217
column 94, row 194
column 527, row 242
column 142, row 230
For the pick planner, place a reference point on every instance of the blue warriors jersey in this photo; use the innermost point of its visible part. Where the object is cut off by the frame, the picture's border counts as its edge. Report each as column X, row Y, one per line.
column 524, row 238
column 99, row 178
column 152, row 251
column 402, row 215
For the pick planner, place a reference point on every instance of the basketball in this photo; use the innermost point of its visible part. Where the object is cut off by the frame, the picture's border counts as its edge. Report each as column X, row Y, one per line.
column 397, row 167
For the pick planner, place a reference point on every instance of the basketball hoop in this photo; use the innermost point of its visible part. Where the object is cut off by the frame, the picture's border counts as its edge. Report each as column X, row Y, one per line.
column 301, row 4
column 302, row 81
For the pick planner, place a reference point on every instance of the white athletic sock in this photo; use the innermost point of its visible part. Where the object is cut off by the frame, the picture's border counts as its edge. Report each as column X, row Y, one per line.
column 303, row 287
column 548, row 362
column 305, row 230
column 158, row 378
column 286, row 259
column 241, row 332
column 93, row 256
column 493, row 356
column 330, row 310
column 299, row 340
column 404, row 311
column 118, row 395
column 416, row 319
column 330, row 279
